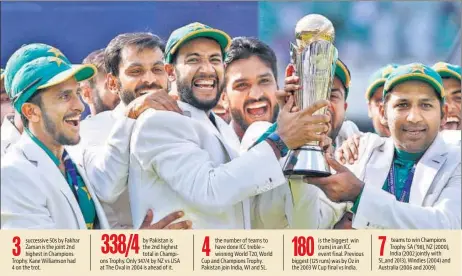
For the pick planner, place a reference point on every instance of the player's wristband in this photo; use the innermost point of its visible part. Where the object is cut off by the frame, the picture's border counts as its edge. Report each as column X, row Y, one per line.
column 280, row 145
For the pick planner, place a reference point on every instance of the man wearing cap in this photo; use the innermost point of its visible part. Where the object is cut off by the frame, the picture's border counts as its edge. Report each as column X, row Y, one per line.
column 450, row 74
column 411, row 180
column 42, row 187
column 40, row 147
column 191, row 161
column 11, row 126
column 374, row 98
column 450, row 130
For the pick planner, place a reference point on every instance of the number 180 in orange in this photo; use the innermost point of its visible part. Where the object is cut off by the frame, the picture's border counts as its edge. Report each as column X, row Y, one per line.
column 303, row 246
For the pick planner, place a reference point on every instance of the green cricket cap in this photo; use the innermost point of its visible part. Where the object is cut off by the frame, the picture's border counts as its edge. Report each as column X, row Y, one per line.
column 26, row 54
column 447, row 70
column 44, row 72
column 190, row 32
column 414, row 71
column 378, row 79
column 342, row 72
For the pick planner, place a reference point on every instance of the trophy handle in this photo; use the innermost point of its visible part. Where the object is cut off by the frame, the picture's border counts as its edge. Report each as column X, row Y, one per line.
column 293, row 53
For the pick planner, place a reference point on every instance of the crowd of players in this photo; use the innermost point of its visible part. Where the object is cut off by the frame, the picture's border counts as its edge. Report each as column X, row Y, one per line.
column 193, row 133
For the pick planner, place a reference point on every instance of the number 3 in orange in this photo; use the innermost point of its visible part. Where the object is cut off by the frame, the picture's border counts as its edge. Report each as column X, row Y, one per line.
column 17, row 244
column 206, row 246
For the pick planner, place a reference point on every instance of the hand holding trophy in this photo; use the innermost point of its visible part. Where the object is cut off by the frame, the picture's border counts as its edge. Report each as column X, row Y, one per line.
column 314, row 57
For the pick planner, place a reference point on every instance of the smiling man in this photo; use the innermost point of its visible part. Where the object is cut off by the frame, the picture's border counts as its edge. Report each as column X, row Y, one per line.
column 450, row 74
column 251, row 75
column 135, row 72
column 42, row 187
column 452, row 86
column 411, row 180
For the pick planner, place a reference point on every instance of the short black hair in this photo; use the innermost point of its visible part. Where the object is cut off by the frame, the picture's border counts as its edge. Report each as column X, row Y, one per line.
column 246, row 47
column 140, row 40
column 97, row 59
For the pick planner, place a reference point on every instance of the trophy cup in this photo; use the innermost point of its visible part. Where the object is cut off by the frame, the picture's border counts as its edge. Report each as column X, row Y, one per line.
column 314, row 57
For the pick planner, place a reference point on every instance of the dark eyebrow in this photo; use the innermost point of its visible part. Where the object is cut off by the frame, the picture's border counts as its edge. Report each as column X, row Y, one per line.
column 428, row 100
column 240, row 80
column 139, row 64
column 402, row 100
column 135, row 64
column 64, row 92
column 336, row 90
column 192, row 54
column 265, row 75
column 455, row 92
column 216, row 55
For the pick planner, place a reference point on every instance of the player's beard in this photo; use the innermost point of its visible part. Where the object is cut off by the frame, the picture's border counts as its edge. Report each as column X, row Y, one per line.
column 186, row 94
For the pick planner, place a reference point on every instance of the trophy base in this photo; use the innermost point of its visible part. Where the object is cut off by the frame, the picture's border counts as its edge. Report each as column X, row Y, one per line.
column 306, row 161
column 308, row 173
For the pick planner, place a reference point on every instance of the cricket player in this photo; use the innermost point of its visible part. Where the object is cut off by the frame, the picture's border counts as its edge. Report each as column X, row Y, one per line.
column 42, row 187
column 135, row 73
column 450, row 74
column 411, row 180
column 374, row 98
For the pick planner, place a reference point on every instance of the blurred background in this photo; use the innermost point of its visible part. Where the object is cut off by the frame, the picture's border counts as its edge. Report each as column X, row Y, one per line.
column 368, row 34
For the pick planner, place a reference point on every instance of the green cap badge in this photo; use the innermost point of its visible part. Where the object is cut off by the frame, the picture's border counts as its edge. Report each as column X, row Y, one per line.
column 192, row 31
column 414, row 71
column 26, row 54
column 44, row 72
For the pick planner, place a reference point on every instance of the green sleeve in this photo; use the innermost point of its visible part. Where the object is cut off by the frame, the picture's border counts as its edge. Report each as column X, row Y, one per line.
column 270, row 130
column 356, row 204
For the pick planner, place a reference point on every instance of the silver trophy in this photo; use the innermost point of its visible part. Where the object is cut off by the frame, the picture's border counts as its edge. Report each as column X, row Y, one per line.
column 314, row 57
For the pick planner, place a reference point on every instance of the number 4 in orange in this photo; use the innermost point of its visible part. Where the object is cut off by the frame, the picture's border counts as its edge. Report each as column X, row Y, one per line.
column 384, row 239
column 206, row 246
